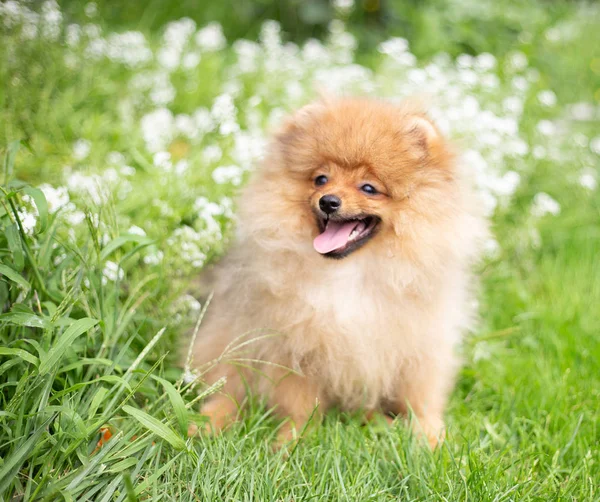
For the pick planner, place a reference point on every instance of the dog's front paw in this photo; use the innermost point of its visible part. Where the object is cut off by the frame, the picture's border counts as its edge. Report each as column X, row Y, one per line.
column 221, row 411
column 431, row 429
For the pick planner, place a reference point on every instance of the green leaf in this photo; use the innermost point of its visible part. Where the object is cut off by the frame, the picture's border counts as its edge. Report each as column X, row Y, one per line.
column 177, row 403
column 9, row 159
column 23, row 354
column 65, row 341
column 156, row 426
column 120, row 241
column 13, row 238
column 15, row 277
column 25, row 319
column 122, row 465
column 13, row 461
column 97, row 401
column 40, row 203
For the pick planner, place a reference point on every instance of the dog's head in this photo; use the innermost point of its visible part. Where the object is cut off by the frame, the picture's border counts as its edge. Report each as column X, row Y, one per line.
column 354, row 171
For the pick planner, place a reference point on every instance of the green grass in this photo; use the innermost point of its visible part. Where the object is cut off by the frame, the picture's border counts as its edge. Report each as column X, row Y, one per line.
column 81, row 349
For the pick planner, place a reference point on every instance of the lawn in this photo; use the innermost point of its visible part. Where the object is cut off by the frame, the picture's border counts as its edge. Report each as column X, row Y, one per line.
column 125, row 134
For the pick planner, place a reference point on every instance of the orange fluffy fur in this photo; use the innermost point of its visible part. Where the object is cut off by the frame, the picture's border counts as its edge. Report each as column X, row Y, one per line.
column 376, row 330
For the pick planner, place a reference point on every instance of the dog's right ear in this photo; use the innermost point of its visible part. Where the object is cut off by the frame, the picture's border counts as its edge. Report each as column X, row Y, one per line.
column 295, row 124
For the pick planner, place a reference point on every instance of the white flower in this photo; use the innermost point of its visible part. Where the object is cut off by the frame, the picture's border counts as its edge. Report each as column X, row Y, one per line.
column 547, row 98
column 582, row 111
column 157, row 129
column 191, row 60
column 127, row 170
column 203, row 120
column 81, row 149
column 544, row 204
column 28, row 214
column 51, row 17
column 517, row 61
column 115, row 158
column 112, row 272
column 186, row 126
column 154, row 258
column 212, row 153
column 162, row 160
column 169, row 57
column 485, row 61
column 73, row 35
column 394, row 46
column 75, row 218
column 507, row 184
column 546, row 127
column 56, row 197
column 211, row 38
column 344, row 6
column 465, row 61
column 587, row 179
column 135, row 230
column 129, row 48
column 228, row 174
column 520, row 83
column 93, row 186
column 189, row 304
column 182, row 166
column 513, row 105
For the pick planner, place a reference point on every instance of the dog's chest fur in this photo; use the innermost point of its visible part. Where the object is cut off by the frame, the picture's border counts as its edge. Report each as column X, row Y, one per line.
column 356, row 339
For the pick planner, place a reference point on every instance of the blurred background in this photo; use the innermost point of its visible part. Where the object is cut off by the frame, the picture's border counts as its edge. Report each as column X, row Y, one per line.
column 559, row 36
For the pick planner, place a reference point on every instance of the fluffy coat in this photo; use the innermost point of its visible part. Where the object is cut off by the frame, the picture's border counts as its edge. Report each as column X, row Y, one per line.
column 376, row 330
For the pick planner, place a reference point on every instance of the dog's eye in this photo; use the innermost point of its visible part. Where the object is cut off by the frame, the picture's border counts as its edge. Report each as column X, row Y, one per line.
column 320, row 180
column 370, row 189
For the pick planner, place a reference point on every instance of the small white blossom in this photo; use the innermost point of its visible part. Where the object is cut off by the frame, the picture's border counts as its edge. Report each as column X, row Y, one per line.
column 543, row 204
column 115, row 158
column 81, row 149
column 547, row 98
column 182, row 166
column 154, row 258
column 587, row 179
column 211, row 38
column 546, row 127
column 158, row 129
column 57, row 198
column 228, row 174
column 191, row 60
column 112, row 272
column 343, row 6
column 162, row 160
column 135, row 230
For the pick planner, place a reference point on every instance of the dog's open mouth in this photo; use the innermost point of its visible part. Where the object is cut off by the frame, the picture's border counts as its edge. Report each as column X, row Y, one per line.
column 339, row 237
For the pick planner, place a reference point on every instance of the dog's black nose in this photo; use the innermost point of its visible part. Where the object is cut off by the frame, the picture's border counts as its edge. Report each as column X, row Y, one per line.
column 329, row 203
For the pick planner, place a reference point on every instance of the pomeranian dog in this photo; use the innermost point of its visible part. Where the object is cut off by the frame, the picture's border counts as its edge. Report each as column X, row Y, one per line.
column 349, row 282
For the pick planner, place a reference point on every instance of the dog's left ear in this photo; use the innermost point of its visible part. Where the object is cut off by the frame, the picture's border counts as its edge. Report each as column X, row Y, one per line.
column 422, row 131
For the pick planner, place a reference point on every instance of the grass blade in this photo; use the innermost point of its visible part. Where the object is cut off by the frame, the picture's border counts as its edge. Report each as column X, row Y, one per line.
column 156, row 426
column 13, row 462
column 177, row 403
column 64, row 342
column 23, row 354
column 14, row 276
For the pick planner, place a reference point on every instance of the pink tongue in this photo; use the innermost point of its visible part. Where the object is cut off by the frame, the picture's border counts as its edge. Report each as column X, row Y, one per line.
column 335, row 236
